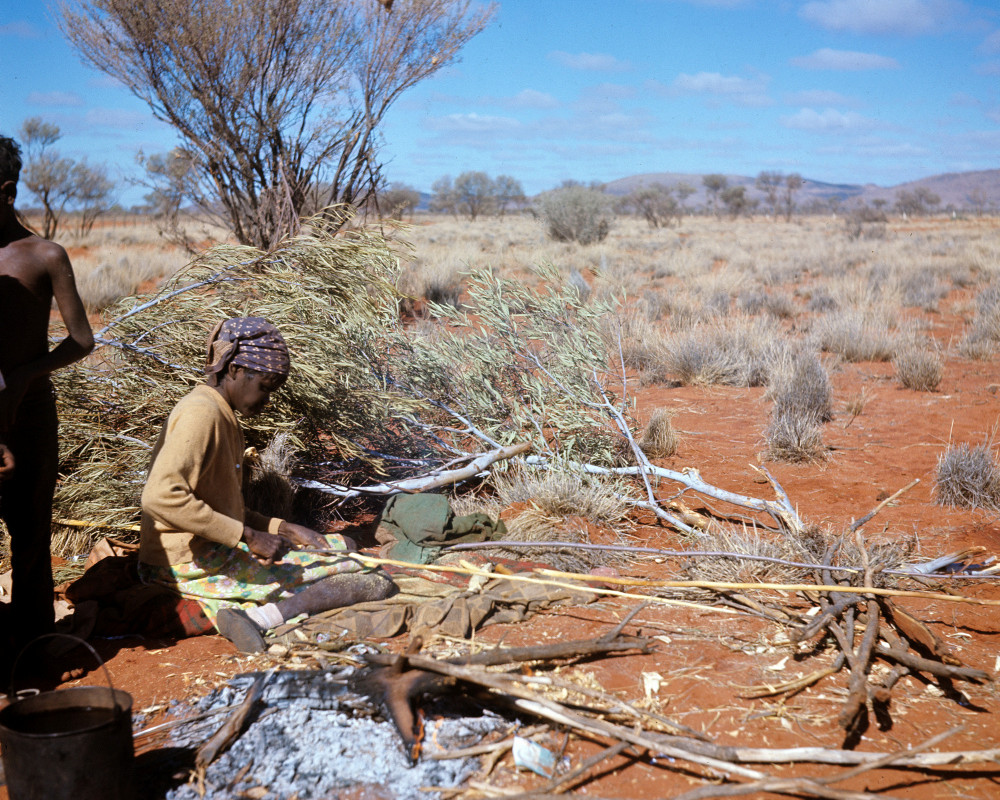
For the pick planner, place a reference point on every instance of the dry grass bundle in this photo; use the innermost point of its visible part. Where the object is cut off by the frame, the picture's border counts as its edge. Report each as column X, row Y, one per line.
column 558, row 505
column 794, row 435
column 968, row 477
column 659, row 439
column 269, row 489
column 751, row 541
column 738, row 351
column 917, row 369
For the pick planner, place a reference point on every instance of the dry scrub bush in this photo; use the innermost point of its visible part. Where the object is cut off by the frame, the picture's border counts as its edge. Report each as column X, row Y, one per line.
column 968, row 477
column 576, row 214
column 659, row 439
column 799, row 383
column 795, row 436
column 746, row 540
column 983, row 336
column 557, row 505
column 918, row 369
column 855, row 336
column 102, row 283
column 739, row 351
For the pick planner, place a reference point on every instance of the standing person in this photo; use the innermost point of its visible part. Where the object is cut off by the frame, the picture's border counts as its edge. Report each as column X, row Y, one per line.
column 198, row 538
column 33, row 272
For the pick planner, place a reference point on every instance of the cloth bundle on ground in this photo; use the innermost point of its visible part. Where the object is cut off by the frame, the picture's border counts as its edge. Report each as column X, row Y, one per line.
column 425, row 606
column 418, row 525
column 110, row 600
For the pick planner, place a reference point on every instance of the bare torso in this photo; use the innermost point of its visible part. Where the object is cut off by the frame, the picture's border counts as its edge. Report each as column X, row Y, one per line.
column 26, row 275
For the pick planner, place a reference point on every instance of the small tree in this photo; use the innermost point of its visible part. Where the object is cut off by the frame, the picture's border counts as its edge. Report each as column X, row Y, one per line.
column 279, row 103
column 916, row 203
column 770, row 183
column 683, row 190
column 576, row 214
column 509, row 194
column 398, row 200
column 793, row 183
column 92, row 190
column 475, row 194
column 655, row 204
column 443, row 200
column 736, row 201
column 47, row 175
column 714, row 184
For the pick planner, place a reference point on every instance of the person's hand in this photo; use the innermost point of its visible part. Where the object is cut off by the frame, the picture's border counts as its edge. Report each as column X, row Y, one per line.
column 301, row 536
column 6, row 462
column 267, row 548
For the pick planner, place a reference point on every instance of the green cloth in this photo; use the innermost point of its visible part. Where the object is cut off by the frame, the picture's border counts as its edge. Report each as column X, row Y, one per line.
column 422, row 523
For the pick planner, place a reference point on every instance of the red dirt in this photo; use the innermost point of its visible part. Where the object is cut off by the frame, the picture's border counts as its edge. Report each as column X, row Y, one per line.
column 706, row 659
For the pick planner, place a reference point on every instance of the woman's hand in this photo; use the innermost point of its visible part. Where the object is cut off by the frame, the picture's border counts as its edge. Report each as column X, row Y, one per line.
column 267, row 548
column 301, row 536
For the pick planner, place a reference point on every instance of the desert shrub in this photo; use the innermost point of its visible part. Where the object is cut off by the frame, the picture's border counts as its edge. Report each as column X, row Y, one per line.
column 821, row 301
column 967, row 477
column 800, row 384
column 439, row 283
column 640, row 341
column 918, row 369
column 758, row 301
column 855, row 405
column 105, row 284
column 554, row 505
column 659, row 439
column 576, row 214
column 738, row 352
column 856, row 336
column 794, row 435
column 983, row 336
column 865, row 222
column 924, row 289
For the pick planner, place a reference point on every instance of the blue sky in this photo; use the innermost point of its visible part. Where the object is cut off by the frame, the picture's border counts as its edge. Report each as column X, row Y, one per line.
column 852, row 91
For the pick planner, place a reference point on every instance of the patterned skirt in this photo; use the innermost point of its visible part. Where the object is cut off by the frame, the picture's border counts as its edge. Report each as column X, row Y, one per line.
column 230, row 576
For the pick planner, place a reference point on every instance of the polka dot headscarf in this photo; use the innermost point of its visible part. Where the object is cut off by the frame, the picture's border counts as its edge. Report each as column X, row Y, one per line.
column 250, row 342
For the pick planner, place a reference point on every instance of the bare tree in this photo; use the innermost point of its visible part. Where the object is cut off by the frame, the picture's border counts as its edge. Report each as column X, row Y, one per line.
column 769, row 183
column 509, row 193
column 278, row 102
column 793, row 183
column 655, row 204
column 92, row 190
column 47, row 175
column 714, row 184
column 398, row 200
column 475, row 194
column 443, row 200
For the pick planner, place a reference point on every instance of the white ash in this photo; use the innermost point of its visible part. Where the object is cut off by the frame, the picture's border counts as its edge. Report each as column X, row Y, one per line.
column 312, row 739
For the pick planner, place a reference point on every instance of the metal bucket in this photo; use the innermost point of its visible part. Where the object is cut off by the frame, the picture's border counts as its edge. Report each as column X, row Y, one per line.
column 71, row 744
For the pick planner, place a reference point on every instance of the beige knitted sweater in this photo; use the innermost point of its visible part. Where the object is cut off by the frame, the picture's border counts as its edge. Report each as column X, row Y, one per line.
column 194, row 492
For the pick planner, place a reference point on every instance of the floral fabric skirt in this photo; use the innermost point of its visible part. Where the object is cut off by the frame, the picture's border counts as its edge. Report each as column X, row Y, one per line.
column 230, row 576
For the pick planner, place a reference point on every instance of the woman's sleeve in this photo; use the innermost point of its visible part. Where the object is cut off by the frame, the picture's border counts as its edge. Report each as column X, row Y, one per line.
column 169, row 495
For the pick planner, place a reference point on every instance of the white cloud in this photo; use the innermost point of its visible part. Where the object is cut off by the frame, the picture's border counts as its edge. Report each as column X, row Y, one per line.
column 59, row 99
column 828, row 121
column 883, row 16
column 591, row 62
column 474, row 123
column 21, row 29
column 819, row 97
column 744, row 91
column 847, row 60
column 531, row 98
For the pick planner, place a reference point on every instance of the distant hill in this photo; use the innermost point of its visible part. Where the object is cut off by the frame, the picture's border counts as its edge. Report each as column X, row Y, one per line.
column 961, row 190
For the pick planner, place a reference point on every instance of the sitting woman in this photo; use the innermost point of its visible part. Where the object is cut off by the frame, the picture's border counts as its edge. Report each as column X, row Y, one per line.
column 198, row 539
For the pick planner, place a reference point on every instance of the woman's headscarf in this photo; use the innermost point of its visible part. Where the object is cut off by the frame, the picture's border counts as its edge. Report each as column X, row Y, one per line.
column 250, row 342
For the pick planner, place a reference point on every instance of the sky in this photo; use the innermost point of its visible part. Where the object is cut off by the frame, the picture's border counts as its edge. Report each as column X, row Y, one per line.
column 840, row 91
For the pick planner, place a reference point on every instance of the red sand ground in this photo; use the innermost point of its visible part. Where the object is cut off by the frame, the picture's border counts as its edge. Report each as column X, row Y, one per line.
column 707, row 659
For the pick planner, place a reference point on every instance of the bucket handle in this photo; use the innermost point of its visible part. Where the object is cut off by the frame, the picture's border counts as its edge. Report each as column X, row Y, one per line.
column 78, row 640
